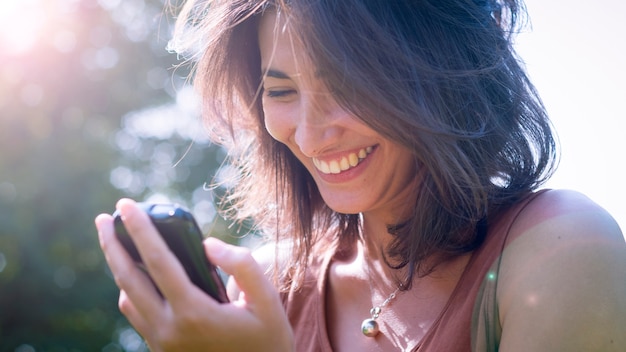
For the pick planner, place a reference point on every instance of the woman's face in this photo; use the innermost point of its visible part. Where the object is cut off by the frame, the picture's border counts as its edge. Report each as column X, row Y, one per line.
column 355, row 168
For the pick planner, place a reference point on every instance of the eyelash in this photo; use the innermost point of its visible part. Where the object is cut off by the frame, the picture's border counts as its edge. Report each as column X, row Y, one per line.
column 279, row 93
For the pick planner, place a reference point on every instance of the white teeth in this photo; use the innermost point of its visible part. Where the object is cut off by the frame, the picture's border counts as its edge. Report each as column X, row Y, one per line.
column 343, row 164
column 334, row 167
column 354, row 160
column 322, row 166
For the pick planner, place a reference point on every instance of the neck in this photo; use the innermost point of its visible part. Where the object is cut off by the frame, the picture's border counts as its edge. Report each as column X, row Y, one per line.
column 374, row 240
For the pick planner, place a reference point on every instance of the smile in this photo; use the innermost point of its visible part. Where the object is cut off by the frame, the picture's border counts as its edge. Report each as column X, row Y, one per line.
column 342, row 164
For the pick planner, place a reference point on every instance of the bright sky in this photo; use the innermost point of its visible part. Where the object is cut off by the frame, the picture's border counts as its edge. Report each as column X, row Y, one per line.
column 575, row 53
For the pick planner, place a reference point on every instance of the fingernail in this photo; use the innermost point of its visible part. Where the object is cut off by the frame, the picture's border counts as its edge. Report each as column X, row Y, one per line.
column 126, row 208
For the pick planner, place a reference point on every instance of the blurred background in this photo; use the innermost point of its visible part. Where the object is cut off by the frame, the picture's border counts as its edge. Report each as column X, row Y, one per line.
column 93, row 108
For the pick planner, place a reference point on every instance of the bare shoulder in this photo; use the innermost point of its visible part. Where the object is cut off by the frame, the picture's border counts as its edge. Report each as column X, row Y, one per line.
column 562, row 283
column 565, row 208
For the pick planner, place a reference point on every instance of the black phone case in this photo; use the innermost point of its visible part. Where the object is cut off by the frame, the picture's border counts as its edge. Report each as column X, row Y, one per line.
column 183, row 236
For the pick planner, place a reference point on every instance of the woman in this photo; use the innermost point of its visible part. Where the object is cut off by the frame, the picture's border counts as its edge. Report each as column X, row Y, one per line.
column 392, row 152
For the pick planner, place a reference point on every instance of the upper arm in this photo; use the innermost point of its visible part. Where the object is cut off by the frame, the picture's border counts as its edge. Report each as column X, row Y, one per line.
column 562, row 283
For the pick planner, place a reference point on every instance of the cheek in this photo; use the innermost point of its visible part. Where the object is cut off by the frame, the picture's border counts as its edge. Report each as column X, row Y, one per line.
column 278, row 124
column 275, row 129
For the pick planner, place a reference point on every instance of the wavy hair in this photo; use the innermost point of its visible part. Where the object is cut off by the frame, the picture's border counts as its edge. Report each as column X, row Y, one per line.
column 440, row 77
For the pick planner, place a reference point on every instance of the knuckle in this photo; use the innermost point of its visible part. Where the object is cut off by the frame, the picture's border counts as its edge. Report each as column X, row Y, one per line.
column 121, row 280
column 132, row 229
column 242, row 255
column 245, row 262
column 189, row 320
column 167, row 338
column 155, row 258
column 104, row 243
column 124, row 304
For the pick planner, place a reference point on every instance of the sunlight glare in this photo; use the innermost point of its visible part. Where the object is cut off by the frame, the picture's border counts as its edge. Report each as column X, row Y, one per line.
column 21, row 25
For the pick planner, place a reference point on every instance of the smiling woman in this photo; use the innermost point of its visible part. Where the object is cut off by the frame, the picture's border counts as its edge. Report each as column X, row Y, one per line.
column 393, row 155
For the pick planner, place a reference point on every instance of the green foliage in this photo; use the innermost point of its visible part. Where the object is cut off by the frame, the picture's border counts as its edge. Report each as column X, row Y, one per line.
column 70, row 147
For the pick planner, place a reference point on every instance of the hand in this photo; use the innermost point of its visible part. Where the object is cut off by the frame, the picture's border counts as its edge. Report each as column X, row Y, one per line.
column 185, row 318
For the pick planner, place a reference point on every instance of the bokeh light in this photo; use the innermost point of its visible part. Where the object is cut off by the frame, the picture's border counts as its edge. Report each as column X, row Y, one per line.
column 87, row 89
column 21, row 25
column 26, row 24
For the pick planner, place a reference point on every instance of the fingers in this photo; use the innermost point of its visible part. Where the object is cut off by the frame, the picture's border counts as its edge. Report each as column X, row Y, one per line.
column 163, row 266
column 249, row 276
column 133, row 315
column 188, row 318
column 232, row 289
column 125, row 272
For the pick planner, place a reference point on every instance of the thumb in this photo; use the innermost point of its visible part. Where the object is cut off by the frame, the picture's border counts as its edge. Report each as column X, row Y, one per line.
column 238, row 262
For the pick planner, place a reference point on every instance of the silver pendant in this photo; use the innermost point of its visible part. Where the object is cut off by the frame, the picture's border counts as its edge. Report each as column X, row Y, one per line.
column 369, row 327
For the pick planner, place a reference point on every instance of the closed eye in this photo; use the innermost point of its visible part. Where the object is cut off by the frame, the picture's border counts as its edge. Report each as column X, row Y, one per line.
column 279, row 93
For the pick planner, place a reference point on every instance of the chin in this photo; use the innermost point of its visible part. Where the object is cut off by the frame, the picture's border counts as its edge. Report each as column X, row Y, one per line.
column 344, row 208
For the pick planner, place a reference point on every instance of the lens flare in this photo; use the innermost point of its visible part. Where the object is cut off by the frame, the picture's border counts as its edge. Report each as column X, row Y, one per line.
column 22, row 24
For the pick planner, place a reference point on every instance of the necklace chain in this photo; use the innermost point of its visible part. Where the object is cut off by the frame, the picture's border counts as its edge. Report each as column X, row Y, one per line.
column 375, row 311
column 369, row 327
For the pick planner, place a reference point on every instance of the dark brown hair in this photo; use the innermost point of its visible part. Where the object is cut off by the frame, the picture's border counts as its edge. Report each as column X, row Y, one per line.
column 438, row 76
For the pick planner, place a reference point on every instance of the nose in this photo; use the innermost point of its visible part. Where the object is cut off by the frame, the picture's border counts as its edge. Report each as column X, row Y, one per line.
column 319, row 126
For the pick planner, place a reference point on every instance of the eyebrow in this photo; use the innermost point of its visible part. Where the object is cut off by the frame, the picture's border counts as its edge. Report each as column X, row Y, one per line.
column 276, row 74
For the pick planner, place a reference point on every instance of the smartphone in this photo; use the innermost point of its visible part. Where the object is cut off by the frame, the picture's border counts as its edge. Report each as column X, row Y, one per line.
column 180, row 231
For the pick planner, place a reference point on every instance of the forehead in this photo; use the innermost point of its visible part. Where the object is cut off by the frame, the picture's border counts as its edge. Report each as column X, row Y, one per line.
column 280, row 46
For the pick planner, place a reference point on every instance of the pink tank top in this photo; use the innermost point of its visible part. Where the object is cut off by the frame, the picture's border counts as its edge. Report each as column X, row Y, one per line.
column 468, row 322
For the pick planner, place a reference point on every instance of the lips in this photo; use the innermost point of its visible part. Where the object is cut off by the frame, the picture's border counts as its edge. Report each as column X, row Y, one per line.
column 344, row 163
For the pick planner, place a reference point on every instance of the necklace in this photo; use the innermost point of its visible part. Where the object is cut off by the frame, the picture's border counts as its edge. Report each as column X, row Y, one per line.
column 369, row 327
